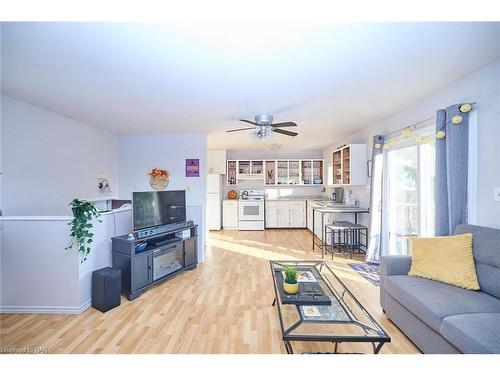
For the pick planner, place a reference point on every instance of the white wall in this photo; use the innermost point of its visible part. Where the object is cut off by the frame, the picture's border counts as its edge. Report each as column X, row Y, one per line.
column 482, row 87
column 39, row 275
column 48, row 160
column 272, row 155
column 138, row 154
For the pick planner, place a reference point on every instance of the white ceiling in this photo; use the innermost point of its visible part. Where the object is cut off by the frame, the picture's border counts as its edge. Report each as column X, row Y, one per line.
column 331, row 79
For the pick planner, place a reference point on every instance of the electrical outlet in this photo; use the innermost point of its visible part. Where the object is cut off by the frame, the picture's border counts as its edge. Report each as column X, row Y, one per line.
column 497, row 193
column 188, row 189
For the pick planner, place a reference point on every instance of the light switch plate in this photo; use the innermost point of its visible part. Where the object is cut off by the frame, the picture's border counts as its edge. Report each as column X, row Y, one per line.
column 497, row 193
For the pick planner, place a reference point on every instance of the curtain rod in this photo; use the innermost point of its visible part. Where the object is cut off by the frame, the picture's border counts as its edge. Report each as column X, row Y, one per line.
column 414, row 126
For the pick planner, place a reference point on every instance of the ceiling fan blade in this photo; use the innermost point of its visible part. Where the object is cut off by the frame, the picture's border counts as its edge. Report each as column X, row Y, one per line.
column 285, row 132
column 283, row 124
column 237, row 130
column 249, row 122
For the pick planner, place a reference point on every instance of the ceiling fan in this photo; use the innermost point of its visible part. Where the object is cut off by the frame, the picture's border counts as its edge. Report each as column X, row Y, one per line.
column 263, row 127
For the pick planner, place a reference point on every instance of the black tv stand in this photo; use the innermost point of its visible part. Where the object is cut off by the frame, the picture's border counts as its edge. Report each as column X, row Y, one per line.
column 163, row 256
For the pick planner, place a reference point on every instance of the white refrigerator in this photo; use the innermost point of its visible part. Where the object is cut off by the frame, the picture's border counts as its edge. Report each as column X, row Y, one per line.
column 214, row 201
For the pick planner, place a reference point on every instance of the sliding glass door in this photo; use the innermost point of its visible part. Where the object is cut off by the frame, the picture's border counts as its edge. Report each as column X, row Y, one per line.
column 408, row 193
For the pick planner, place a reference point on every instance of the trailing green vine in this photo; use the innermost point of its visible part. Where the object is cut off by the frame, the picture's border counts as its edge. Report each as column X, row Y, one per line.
column 81, row 226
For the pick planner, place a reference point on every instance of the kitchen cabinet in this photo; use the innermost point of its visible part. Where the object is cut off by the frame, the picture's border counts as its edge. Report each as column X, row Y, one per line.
column 309, row 215
column 251, row 168
column 349, row 165
column 298, row 214
column 282, row 172
column 317, row 171
column 271, row 208
column 244, row 167
column 285, row 214
column 317, row 223
column 270, row 172
column 213, row 212
column 306, row 172
column 230, row 214
column 293, row 172
column 301, row 172
column 232, row 175
column 216, row 161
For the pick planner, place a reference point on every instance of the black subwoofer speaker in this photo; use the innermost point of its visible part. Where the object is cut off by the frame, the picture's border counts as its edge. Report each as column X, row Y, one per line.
column 106, row 289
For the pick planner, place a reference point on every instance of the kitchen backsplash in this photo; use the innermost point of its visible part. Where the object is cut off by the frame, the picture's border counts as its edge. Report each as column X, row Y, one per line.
column 359, row 192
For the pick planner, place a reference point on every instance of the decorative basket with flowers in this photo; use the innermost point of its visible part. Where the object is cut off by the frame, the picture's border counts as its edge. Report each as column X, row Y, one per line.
column 158, row 178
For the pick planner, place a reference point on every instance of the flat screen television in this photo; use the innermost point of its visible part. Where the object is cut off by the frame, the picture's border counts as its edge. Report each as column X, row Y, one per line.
column 155, row 208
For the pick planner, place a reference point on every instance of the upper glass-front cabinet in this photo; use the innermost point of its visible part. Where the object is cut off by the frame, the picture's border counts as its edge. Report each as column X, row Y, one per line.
column 257, row 167
column 231, row 172
column 244, row 167
column 270, row 172
column 317, row 172
column 349, row 165
column 282, row 176
column 293, row 172
column 306, row 172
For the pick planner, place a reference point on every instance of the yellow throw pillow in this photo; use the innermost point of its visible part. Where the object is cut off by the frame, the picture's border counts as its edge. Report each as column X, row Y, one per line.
column 446, row 259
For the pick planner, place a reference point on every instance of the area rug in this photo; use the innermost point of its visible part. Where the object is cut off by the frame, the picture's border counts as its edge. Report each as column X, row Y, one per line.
column 370, row 271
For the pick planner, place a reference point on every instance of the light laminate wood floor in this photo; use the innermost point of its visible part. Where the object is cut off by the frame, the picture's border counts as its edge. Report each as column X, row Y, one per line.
column 224, row 306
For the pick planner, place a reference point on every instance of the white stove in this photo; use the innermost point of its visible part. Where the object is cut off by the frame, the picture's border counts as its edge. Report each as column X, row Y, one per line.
column 251, row 210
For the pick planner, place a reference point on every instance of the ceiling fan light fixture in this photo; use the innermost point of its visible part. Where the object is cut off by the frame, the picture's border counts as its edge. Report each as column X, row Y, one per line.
column 262, row 132
column 264, row 119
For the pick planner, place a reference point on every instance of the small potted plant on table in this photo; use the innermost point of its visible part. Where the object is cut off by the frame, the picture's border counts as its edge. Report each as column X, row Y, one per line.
column 290, row 284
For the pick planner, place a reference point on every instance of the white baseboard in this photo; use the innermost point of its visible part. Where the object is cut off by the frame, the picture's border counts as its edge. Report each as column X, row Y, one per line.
column 45, row 309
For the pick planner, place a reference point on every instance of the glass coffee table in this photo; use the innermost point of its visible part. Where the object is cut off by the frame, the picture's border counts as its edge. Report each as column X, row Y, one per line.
column 309, row 316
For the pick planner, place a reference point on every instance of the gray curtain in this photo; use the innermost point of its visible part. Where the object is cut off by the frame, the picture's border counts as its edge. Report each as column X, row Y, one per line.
column 451, row 170
column 375, row 226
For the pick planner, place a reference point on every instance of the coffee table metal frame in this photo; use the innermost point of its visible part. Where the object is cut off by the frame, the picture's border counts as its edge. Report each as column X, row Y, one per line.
column 376, row 341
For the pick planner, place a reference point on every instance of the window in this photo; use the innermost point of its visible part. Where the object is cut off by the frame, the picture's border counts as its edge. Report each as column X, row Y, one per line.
column 408, row 191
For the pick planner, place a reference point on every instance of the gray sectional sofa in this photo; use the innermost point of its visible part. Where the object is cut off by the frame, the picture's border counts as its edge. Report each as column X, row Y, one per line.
column 441, row 318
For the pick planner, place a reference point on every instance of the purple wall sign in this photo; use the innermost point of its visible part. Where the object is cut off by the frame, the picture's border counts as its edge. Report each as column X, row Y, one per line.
column 192, row 167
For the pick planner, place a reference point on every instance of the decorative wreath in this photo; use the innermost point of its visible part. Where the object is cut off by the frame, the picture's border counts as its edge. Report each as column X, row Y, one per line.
column 158, row 178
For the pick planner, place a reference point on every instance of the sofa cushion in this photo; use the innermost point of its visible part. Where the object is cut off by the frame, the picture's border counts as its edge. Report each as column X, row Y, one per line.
column 431, row 301
column 447, row 259
column 473, row 333
column 486, row 249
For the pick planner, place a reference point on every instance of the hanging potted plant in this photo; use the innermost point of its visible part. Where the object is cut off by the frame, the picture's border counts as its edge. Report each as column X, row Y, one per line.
column 81, row 226
column 290, row 284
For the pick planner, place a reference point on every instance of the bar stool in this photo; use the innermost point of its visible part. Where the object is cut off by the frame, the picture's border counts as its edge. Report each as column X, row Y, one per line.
column 346, row 237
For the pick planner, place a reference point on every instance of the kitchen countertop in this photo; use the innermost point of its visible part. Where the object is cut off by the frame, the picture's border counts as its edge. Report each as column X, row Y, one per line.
column 341, row 208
